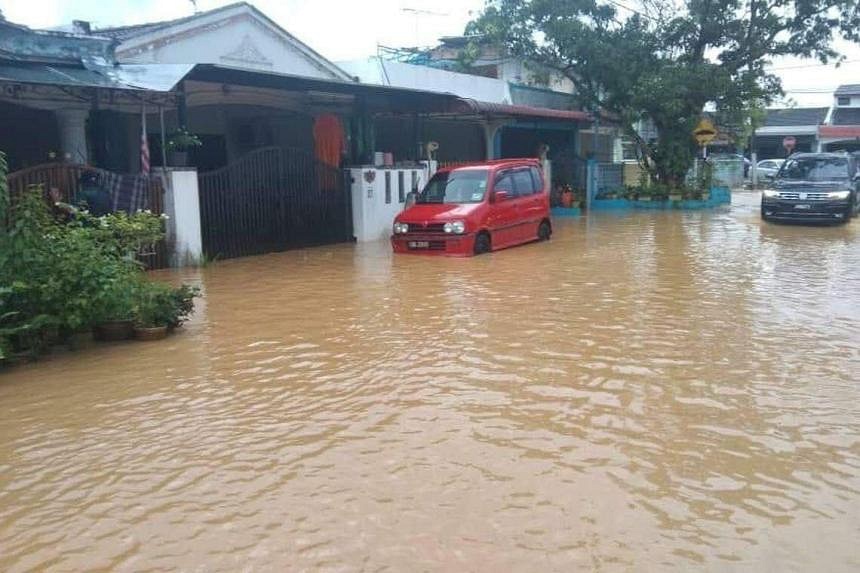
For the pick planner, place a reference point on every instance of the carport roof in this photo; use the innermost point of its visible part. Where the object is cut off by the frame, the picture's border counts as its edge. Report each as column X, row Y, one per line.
column 507, row 110
column 795, row 116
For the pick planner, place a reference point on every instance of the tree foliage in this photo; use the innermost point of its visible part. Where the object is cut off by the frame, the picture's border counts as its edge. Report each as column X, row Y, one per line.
column 666, row 60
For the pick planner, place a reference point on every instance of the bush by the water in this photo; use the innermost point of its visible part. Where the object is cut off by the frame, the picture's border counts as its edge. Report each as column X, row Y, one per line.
column 64, row 270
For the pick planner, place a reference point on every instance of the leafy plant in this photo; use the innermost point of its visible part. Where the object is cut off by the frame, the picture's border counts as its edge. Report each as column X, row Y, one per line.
column 664, row 62
column 161, row 305
column 182, row 140
column 70, row 275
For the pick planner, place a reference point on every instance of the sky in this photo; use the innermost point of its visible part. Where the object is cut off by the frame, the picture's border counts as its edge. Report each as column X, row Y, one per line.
column 352, row 29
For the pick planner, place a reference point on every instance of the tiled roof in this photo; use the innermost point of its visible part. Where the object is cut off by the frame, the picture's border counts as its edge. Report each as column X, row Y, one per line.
column 848, row 89
column 846, row 116
column 123, row 33
column 795, row 116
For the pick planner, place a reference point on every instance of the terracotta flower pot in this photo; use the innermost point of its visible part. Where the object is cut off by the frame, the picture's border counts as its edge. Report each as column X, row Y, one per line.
column 114, row 330
column 566, row 199
column 150, row 332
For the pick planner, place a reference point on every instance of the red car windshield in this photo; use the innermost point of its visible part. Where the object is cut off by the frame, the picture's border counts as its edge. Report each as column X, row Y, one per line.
column 459, row 186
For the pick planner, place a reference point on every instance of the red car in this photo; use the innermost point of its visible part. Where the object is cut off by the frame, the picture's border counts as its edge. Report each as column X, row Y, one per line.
column 475, row 209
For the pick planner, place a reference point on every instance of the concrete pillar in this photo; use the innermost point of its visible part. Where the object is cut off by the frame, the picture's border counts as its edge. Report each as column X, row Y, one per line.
column 72, row 125
column 182, row 205
column 491, row 133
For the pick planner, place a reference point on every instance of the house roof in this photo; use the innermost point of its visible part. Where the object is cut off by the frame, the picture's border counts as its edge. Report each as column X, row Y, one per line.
column 846, row 116
column 795, row 116
column 502, row 110
column 142, row 34
column 848, row 89
column 123, row 33
column 21, row 44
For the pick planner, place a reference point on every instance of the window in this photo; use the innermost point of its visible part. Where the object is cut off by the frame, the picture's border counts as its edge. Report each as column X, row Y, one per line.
column 459, row 186
column 505, row 182
column 401, row 187
column 387, row 187
column 537, row 181
column 816, row 169
column 523, row 182
column 843, row 100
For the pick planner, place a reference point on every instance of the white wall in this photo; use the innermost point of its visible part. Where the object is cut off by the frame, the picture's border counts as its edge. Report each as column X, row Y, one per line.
column 239, row 42
column 382, row 72
column 182, row 206
column 372, row 216
column 854, row 99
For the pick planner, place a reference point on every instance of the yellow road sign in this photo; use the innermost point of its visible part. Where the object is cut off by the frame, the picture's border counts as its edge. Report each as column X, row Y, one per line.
column 705, row 132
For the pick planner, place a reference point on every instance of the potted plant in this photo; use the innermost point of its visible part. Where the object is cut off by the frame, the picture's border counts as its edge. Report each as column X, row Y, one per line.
column 161, row 308
column 179, row 144
column 156, row 310
column 116, row 306
column 567, row 197
column 183, row 304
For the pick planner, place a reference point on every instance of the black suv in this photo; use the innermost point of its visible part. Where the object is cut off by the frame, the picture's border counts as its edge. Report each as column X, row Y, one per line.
column 814, row 187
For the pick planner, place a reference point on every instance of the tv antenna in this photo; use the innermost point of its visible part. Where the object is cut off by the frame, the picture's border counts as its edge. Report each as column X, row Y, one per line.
column 418, row 13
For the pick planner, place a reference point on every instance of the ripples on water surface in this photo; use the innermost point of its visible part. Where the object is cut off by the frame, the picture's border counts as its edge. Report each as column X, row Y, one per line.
column 649, row 392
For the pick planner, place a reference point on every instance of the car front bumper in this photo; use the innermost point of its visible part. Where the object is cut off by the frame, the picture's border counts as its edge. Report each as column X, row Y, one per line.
column 434, row 244
column 806, row 211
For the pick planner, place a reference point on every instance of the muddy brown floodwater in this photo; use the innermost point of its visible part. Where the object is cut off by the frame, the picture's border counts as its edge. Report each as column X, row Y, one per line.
column 646, row 392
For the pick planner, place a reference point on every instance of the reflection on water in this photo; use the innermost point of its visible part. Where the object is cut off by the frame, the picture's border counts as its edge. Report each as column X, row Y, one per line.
column 646, row 392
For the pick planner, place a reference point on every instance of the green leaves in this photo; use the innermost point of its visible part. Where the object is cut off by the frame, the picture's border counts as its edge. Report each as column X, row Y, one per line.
column 665, row 62
column 71, row 273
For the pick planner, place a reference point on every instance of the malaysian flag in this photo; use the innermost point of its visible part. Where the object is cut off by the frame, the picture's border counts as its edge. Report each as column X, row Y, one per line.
column 144, row 144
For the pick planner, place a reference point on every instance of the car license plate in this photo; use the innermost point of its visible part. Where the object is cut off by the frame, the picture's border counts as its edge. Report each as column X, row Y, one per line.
column 419, row 244
column 802, row 206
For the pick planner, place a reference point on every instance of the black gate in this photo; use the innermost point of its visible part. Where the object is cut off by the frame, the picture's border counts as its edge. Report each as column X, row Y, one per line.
column 273, row 199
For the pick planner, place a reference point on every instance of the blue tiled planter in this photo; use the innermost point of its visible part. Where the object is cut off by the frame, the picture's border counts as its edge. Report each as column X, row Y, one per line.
column 566, row 211
column 719, row 196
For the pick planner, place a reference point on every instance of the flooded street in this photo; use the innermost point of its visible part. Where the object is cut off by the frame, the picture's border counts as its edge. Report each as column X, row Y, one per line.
column 646, row 392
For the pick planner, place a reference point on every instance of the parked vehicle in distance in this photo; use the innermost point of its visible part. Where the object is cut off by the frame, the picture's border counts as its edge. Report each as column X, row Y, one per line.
column 732, row 157
column 475, row 209
column 767, row 168
column 813, row 187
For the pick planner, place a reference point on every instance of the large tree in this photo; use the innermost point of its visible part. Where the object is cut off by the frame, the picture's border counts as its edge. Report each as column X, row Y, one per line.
column 667, row 61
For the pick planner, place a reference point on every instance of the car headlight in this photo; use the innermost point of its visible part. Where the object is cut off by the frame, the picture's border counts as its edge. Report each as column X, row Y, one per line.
column 456, row 227
column 400, row 228
column 770, row 193
column 838, row 194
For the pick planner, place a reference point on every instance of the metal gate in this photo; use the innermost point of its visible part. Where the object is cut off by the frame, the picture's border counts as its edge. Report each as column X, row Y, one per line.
column 273, row 199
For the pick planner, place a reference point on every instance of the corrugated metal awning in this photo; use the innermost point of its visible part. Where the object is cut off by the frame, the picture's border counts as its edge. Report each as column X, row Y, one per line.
column 506, row 110
column 151, row 77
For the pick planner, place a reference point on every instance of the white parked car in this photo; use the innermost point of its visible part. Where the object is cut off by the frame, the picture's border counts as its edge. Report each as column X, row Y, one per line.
column 767, row 168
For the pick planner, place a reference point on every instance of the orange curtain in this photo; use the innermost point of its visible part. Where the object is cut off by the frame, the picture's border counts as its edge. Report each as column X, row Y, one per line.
column 328, row 139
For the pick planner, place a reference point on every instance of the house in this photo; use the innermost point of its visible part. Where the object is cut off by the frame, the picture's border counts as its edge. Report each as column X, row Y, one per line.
column 497, row 118
column 237, row 35
column 278, row 122
column 842, row 131
column 779, row 123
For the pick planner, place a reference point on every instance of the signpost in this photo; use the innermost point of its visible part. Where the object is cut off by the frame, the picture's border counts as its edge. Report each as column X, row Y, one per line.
column 789, row 143
column 704, row 133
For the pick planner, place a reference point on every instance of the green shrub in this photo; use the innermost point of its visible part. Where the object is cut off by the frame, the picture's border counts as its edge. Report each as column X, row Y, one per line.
column 72, row 274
